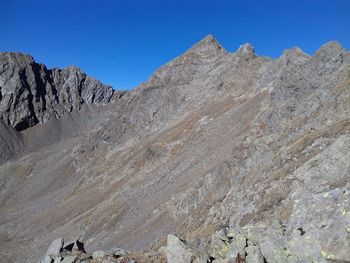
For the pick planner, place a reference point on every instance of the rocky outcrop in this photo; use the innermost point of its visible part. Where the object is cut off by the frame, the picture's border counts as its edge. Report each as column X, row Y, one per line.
column 30, row 93
column 74, row 252
column 178, row 250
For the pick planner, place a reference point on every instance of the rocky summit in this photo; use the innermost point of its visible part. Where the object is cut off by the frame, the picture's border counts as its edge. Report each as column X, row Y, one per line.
column 219, row 157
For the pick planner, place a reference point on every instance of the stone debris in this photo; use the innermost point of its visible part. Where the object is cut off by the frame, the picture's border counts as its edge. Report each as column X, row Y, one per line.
column 74, row 252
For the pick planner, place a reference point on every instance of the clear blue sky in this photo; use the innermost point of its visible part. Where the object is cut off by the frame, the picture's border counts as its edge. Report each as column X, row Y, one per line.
column 122, row 42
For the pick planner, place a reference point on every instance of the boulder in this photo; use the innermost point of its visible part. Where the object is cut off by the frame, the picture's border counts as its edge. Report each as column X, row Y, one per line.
column 254, row 254
column 98, row 254
column 76, row 247
column 54, row 250
column 178, row 250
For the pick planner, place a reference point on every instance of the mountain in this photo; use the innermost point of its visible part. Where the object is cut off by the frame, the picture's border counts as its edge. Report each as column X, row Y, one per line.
column 242, row 156
column 31, row 94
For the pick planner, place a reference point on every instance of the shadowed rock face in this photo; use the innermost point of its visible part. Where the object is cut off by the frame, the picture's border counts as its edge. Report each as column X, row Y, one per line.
column 30, row 93
column 242, row 155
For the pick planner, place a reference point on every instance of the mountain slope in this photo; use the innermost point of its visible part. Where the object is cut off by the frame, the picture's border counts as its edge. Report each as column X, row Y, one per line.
column 215, row 145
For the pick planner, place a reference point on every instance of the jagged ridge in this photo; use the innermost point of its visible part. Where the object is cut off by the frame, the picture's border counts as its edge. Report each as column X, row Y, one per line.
column 30, row 93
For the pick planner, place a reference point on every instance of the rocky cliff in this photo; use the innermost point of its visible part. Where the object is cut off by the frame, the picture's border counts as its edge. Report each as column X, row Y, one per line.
column 244, row 157
column 30, row 93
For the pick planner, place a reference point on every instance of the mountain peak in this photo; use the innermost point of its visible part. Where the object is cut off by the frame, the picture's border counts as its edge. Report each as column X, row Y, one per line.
column 294, row 55
column 332, row 44
column 330, row 49
column 17, row 57
column 208, row 39
column 246, row 51
column 207, row 44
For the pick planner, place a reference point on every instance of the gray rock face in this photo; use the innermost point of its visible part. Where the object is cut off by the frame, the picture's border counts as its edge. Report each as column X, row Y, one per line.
column 245, row 156
column 54, row 250
column 177, row 250
column 98, row 254
column 30, row 93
